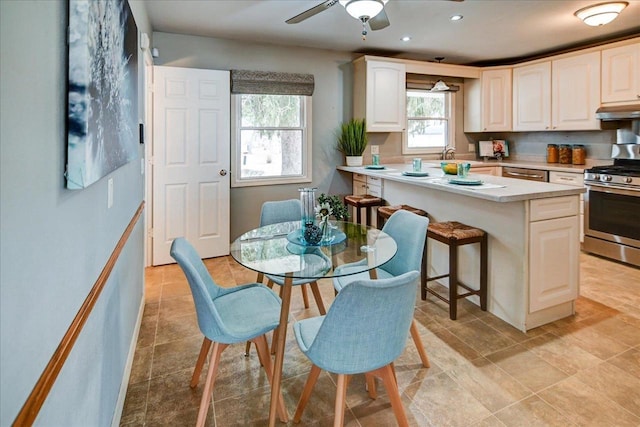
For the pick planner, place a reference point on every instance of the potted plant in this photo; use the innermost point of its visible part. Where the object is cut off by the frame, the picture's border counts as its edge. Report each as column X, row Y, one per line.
column 353, row 140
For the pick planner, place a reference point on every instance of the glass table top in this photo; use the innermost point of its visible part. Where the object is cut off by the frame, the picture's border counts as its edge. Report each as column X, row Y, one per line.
column 272, row 250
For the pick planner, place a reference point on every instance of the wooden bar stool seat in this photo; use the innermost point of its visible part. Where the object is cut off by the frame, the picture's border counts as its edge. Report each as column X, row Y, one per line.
column 384, row 212
column 363, row 201
column 456, row 234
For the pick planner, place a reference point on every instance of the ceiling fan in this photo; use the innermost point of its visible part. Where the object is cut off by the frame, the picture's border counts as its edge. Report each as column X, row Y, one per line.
column 366, row 11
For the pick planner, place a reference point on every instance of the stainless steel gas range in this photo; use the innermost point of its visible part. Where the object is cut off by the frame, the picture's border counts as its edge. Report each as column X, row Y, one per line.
column 612, row 206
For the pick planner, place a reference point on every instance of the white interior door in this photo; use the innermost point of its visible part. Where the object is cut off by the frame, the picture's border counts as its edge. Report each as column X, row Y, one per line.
column 191, row 159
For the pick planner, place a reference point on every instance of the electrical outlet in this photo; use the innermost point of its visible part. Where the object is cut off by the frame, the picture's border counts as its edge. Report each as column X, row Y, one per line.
column 110, row 193
column 375, row 149
column 472, row 147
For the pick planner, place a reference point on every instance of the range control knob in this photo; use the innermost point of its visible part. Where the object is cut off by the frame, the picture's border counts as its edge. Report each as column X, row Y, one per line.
column 596, row 177
column 606, row 178
column 628, row 180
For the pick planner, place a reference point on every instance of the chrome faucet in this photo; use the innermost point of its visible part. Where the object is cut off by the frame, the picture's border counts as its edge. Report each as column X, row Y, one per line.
column 449, row 153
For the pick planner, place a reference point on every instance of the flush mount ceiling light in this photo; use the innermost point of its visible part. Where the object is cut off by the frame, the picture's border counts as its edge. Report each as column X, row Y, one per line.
column 601, row 13
column 406, row 39
column 363, row 9
column 456, row 17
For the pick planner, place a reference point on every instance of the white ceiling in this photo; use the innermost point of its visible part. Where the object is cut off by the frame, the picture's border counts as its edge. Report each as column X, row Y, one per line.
column 491, row 31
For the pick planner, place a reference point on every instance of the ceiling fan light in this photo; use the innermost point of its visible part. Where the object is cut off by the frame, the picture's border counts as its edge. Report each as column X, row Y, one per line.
column 601, row 14
column 363, row 8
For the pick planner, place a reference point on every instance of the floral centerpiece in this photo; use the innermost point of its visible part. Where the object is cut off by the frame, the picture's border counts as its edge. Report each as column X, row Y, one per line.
column 326, row 207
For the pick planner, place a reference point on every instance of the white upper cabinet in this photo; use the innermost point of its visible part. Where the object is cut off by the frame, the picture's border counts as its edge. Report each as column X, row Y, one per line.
column 488, row 102
column 532, row 97
column 562, row 94
column 575, row 92
column 380, row 94
column 621, row 74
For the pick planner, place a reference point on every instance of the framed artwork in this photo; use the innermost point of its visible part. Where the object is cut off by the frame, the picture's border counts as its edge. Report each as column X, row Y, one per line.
column 102, row 118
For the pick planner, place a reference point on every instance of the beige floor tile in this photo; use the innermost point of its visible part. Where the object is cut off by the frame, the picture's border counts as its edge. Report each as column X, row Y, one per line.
column 532, row 412
column 529, row 369
column 629, row 361
column 481, row 337
column 440, row 399
column 584, row 406
column 615, row 383
column 489, row 384
column 560, row 353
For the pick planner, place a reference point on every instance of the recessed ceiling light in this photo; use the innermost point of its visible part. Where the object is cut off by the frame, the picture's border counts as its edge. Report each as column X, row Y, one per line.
column 405, row 38
column 456, row 17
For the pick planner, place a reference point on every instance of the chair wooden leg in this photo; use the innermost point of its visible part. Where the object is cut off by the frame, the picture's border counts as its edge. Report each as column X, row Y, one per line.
column 483, row 272
column 371, row 385
column 260, row 278
column 204, row 350
column 270, row 284
column 208, row 385
column 305, row 295
column 388, row 379
column 316, row 295
column 265, row 360
column 415, row 334
column 306, row 392
column 341, row 398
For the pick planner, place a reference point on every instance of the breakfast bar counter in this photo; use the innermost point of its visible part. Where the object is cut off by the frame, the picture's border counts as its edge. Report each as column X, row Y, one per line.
column 533, row 231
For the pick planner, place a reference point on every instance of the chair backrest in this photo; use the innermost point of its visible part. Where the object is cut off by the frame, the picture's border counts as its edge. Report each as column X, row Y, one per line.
column 203, row 289
column 367, row 325
column 410, row 232
column 280, row 211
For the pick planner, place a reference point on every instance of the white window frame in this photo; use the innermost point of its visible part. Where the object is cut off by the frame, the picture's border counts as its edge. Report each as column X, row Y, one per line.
column 450, row 108
column 236, row 148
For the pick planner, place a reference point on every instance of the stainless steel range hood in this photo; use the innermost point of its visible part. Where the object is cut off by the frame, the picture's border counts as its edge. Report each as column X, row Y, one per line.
column 622, row 112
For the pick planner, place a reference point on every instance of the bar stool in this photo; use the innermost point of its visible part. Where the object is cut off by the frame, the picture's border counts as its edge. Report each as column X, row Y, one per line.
column 455, row 234
column 384, row 212
column 363, row 201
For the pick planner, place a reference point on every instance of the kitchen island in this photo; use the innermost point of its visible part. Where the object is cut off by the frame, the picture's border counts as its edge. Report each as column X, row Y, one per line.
column 533, row 229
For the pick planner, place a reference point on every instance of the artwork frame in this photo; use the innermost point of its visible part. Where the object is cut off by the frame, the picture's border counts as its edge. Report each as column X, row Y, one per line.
column 102, row 115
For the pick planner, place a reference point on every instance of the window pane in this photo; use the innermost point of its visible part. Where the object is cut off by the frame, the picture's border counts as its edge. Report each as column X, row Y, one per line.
column 426, row 133
column 425, row 104
column 269, row 153
column 271, row 110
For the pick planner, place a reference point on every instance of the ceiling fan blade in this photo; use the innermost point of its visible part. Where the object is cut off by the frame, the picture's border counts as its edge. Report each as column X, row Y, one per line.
column 379, row 21
column 310, row 12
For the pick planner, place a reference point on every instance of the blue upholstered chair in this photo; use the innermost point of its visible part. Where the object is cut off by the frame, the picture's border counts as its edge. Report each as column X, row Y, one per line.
column 227, row 316
column 364, row 331
column 284, row 211
column 410, row 232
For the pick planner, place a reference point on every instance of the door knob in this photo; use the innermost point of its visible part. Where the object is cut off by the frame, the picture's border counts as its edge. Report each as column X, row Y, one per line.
column 223, row 172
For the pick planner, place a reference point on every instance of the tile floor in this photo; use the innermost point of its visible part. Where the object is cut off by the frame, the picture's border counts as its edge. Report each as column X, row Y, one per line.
column 579, row 371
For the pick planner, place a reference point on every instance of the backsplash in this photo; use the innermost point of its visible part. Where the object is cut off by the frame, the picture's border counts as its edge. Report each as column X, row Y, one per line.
column 533, row 145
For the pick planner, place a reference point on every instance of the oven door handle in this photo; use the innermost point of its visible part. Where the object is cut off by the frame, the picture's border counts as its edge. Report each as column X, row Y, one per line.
column 612, row 188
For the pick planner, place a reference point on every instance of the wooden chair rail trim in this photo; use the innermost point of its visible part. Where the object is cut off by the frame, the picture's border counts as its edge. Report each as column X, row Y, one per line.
column 34, row 402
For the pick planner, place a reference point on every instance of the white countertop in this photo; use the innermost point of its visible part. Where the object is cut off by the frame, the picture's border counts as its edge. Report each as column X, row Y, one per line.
column 497, row 189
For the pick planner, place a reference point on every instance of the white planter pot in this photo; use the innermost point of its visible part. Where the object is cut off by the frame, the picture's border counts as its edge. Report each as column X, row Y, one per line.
column 354, row 160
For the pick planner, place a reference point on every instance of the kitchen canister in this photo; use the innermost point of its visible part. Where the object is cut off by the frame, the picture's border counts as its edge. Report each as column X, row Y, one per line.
column 579, row 155
column 565, row 154
column 552, row 153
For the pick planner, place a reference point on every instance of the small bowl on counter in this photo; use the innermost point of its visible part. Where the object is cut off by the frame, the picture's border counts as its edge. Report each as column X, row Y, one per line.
column 449, row 168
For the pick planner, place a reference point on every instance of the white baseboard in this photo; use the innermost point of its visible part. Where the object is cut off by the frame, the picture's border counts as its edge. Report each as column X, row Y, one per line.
column 117, row 415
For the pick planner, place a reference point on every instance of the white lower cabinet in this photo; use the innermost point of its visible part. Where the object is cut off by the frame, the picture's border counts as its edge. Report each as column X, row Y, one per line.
column 553, row 252
column 577, row 180
column 487, row 170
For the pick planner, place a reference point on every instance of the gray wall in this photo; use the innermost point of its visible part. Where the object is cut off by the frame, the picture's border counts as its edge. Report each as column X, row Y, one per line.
column 55, row 242
column 332, row 104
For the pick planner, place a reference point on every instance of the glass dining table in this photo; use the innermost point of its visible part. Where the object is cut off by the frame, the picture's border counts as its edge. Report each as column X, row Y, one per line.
column 281, row 250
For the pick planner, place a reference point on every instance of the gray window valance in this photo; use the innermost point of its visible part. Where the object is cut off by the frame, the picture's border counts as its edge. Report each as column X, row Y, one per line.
column 271, row 83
